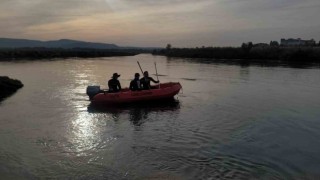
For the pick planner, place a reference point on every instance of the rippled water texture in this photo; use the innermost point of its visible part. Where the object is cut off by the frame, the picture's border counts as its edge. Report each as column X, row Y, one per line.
column 230, row 122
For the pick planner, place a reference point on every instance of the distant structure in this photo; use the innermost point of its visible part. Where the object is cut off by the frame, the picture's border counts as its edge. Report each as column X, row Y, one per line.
column 274, row 43
column 297, row 42
column 261, row 45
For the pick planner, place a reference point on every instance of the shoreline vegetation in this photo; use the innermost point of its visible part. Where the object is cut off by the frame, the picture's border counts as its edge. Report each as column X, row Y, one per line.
column 8, row 86
column 8, row 54
column 247, row 54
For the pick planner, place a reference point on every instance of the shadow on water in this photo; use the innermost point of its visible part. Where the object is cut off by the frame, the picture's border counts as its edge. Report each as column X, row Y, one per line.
column 251, row 62
column 138, row 112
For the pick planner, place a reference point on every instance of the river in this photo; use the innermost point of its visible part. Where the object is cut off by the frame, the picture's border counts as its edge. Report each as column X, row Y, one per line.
column 228, row 122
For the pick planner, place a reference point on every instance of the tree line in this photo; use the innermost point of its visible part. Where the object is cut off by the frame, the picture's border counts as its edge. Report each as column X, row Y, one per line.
column 40, row 53
column 247, row 52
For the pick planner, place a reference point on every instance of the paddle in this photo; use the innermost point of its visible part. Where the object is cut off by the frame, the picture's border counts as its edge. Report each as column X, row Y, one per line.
column 155, row 65
column 140, row 67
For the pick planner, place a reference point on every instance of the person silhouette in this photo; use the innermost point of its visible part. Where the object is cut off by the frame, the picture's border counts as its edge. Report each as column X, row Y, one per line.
column 114, row 84
column 145, row 81
column 135, row 84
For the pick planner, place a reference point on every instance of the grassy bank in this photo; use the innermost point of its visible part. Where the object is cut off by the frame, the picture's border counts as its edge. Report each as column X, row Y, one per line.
column 41, row 53
column 263, row 54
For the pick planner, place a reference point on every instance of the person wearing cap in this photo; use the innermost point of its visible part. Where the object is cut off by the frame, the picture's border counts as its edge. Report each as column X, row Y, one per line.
column 145, row 81
column 114, row 84
column 135, row 83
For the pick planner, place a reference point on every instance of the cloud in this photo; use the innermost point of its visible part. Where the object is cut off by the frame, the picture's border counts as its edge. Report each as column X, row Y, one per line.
column 155, row 23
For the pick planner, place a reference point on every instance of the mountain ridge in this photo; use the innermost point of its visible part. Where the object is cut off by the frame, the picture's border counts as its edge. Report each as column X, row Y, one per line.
column 61, row 43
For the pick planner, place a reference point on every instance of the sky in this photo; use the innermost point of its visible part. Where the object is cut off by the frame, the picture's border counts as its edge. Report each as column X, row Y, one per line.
column 155, row 23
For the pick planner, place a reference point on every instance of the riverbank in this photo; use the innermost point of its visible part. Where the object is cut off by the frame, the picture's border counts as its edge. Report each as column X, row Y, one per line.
column 260, row 54
column 8, row 86
column 7, row 54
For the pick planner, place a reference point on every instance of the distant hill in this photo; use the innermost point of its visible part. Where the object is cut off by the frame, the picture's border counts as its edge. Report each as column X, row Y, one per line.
column 62, row 43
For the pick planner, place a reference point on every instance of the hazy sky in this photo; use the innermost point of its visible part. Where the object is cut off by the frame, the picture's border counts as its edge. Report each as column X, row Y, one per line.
column 183, row 23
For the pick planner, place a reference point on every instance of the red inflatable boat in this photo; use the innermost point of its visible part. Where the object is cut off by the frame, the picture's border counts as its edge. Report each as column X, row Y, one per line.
column 164, row 91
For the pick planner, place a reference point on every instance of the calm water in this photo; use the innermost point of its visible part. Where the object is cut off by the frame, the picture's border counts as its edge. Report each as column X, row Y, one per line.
column 230, row 122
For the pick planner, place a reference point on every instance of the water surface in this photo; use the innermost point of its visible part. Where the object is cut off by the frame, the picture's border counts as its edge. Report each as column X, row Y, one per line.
column 229, row 122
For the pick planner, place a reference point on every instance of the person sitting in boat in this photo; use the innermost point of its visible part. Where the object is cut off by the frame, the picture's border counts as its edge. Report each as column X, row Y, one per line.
column 135, row 83
column 145, row 81
column 114, row 84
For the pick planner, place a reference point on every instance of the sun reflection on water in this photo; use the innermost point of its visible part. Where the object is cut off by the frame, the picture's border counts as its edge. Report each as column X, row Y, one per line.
column 87, row 133
column 86, row 136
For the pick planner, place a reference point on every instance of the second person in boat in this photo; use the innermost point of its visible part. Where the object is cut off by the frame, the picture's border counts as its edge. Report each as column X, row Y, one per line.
column 145, row 81
column 135, row 84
